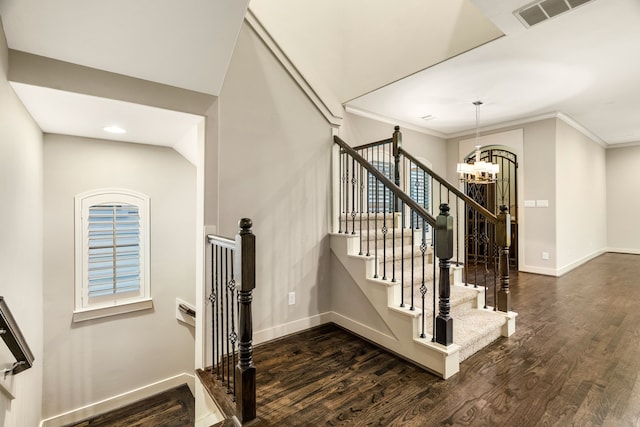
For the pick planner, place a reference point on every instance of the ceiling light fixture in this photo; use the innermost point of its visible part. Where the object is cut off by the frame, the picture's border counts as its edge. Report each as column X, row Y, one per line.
column 478, row 171
column 114, row 129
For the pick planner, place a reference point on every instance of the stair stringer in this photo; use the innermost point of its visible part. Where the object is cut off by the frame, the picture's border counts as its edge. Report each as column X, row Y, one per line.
column 404, row 324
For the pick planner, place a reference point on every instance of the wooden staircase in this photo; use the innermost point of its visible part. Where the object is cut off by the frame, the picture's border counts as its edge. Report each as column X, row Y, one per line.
column 474, row 326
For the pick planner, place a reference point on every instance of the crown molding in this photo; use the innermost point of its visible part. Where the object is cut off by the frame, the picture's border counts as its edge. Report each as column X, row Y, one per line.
column 586, row 132
column 623, row 145
column 330, row 110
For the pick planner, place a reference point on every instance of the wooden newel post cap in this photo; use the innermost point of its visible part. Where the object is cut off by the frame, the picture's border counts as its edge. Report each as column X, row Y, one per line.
column 444, row 233
column 396, row 128
column 245, row 225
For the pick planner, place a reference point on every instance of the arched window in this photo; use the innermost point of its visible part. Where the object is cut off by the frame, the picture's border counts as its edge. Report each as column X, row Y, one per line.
column 112, row 245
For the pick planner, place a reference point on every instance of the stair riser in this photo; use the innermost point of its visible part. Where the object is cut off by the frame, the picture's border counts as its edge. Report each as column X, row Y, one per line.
column 407, row 262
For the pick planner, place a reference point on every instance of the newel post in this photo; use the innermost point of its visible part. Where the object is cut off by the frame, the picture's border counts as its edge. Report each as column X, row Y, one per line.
column 397, row 145
column 503, row 240
column 246, row 370
column 444, row 252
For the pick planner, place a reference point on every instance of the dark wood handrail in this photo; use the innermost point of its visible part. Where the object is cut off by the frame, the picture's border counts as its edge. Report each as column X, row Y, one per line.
column 373, row 144
column 386, row 182
column 14, row 339
column 492, row 218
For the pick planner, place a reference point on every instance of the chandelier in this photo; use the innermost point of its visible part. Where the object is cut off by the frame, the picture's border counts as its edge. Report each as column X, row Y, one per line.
column 478, row 172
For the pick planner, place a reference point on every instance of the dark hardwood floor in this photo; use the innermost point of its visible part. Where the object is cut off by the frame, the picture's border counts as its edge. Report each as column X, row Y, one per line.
column 173, row 408
column 573, row 361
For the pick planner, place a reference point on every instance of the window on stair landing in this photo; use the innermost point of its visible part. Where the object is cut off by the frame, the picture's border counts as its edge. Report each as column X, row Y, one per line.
column 379, row 198
column 419, row 190
column 112, row 262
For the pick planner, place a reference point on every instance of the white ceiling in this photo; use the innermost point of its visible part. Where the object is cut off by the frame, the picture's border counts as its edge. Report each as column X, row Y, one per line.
column 57, row 111
column 186, row 44
column 584, row 64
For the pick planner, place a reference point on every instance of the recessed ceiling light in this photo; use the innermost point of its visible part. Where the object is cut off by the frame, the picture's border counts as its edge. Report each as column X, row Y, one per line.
column 114, row 129
column 428, row 117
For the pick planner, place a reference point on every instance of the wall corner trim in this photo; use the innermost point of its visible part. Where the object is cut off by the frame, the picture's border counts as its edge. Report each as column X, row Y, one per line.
column 583, row 130
column 332, row 111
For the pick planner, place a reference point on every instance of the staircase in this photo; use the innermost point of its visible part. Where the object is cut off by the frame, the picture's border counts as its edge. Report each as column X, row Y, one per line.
column 386, row 241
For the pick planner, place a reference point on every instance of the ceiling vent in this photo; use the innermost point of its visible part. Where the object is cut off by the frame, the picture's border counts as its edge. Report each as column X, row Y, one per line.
column 543, row 10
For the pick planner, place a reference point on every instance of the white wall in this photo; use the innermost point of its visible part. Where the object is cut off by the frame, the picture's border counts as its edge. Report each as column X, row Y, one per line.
column 581, row 217
column 89, row 361
column 274, row 154
column 346, row 50
column 21, row 243
column 623, row 199
column 358, row 130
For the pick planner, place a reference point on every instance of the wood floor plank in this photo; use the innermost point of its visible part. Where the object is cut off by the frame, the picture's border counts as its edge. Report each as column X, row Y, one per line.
column 173, row 408
column 572, row 361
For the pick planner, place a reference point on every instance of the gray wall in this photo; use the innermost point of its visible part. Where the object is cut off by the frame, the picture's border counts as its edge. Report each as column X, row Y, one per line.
column 274, row 151
column 581, row 197
column 623, row 199
column 537, row 226
column 567, row 168
column 89, row 361
column 359, row 130
column 21, row 242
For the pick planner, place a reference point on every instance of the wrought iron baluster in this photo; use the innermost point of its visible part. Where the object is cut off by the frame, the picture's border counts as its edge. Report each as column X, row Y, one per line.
column 353, row 195
column 227, row 332
column 214, row 309
column 361, row 209
column 368, row 206
column 222, row 315
column 413, row 244
column 423, row 287
column 341, row 172
column 402, row 257
column 234, row 335
column 346, row 194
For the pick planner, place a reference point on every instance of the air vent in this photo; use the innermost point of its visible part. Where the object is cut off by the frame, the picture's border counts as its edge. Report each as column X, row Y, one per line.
column 544, row 10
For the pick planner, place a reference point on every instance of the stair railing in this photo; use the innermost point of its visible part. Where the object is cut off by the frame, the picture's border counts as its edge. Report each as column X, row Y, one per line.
column 486, row 237
column 481, row 237
column 232, row 284
column 15, row 341
column 391, row 227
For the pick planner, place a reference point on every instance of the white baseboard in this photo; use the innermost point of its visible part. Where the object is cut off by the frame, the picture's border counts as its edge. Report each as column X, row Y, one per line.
column 538, row 270
column 577, row 263
column 119, row 401
column 557, row 272
column 630, row 251
column 291, row 327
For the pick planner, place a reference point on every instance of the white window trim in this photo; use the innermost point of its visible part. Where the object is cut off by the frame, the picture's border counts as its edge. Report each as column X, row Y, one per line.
column 110, row 306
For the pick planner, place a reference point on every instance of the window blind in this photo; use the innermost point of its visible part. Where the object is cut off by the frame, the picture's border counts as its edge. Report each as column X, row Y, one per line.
column 114, row 249
column 419, row 191
column 379, row 198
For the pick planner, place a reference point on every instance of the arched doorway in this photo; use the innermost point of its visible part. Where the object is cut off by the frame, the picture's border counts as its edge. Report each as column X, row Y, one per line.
column 503, row 192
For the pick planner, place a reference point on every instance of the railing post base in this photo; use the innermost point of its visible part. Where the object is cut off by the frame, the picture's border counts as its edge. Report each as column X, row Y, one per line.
column 444, row 330
column 246, row 393
column 504, row 301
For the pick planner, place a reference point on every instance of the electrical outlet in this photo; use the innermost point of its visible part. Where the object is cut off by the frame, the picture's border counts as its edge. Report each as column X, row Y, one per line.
column 545, row 255
column 292, row 298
